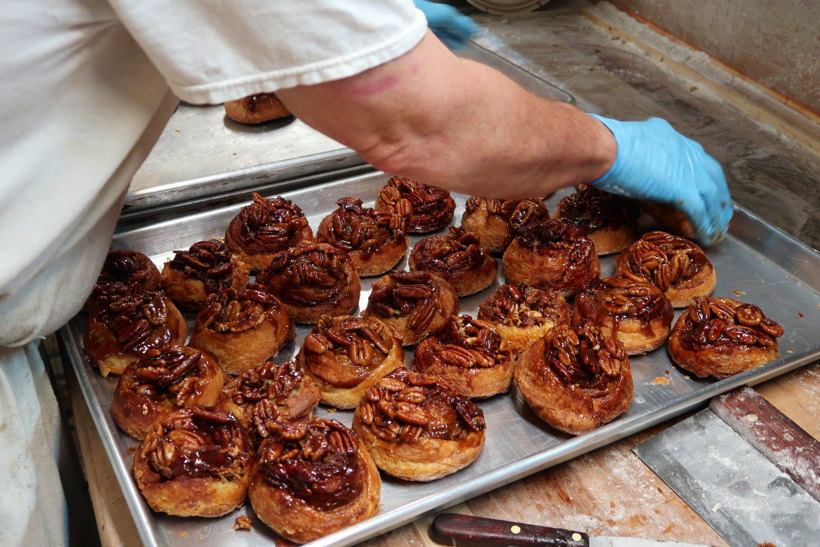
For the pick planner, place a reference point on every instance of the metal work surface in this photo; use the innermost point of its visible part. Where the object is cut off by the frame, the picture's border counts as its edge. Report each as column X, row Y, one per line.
column 755, row 263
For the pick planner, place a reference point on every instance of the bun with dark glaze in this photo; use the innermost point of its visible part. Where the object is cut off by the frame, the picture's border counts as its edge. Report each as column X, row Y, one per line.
column 495, row 221
column 611, row 221
column 256, row 109
column 425, row 208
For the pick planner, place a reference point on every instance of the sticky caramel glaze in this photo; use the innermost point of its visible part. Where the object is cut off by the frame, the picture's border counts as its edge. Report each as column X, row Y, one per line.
column 611, row 221
column 495, row 221
column 374, row 239
column 425, row 208
column 123, row 272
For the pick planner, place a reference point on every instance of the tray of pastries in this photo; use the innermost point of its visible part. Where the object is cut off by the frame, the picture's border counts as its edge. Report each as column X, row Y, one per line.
column 331, row 363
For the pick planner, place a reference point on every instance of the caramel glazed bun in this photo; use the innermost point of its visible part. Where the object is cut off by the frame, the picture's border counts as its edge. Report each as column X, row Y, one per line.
column 123, row 272
column 161, row 382
column 254, row 109
column 313, row 479
column 611, row 221
column 470, row 355
column 413, row 304
column 374, row 239
column 522, row 314
column 242, row 328
column 637, row 314
column 551, row 255
column 311, row 280
column 265, row 227
column 425, row 208
column 344, row 355
column 459, row 258
column 495, row 221
column 720, row 337
column 417, row 427
column 675, row 265
column 575, row 379
column 195, row 463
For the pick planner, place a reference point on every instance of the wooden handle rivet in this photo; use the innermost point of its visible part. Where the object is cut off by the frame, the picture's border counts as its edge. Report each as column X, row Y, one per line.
column 752, row 417
column 515, row 529
column 576, row 536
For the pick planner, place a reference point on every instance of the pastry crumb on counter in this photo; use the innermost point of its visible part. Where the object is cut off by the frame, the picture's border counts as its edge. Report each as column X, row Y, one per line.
column 243, row 523
column 739, row 293
column 661, row 380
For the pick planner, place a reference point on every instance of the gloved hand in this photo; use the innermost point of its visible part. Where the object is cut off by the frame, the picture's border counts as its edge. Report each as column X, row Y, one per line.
column 655, row 162
column 450, row 26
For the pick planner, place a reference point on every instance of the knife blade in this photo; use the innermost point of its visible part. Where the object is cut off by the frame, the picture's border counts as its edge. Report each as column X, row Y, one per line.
column 467, row 530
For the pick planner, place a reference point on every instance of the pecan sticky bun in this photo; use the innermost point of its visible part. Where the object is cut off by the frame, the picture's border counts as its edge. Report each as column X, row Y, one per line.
column 311, row 280
column 470, row 354
column 611, row 221
column 670, row 218
column 123, row 272
column 425, row 208
column 720, row 337
column 678, row 267
column 459, row 258
column 264, row 228
column 345, row 355
column 374, row 239
column 242, row 328
column 522, row 314
column 194, row 463
column 124, row 330
column 313, row 479
column 206, row 268
column 419, row 428
column 269, row 394
column 413, row 304
column 637, row 314
column 495, row 221
column 256, row 109
column 575, row 379
column 551, row 255
column 164, row 381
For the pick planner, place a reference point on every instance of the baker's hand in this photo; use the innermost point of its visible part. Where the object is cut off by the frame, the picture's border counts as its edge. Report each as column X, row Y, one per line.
column 655, row 162
column 450, row 26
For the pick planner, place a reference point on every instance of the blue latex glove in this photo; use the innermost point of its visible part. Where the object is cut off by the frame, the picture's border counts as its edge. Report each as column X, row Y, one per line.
column 450, row 26
column 655, row 162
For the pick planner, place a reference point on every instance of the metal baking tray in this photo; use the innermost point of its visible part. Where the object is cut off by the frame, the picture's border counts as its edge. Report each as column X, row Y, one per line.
column 755, row 263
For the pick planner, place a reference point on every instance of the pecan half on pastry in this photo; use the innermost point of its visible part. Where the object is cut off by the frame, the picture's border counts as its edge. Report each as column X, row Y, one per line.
column 495, row 221
column 344, row 355
column 313, row 479
column 417, row 427
column 458, row 257
column 242, row 328
column 675, row 265
column 256, row 109
column 123, row 272
column 611, row 221
column 637, row 314
column 720, row 337
column 425, row 208
column 194, row 463
column 124, row 330
column 374, row 239
column 575, row 379
column 413, row 304
column 161, row 382
column 206, row 268
column 522, row 314
column 311, row 280
column 551, row 255
column 264, row 228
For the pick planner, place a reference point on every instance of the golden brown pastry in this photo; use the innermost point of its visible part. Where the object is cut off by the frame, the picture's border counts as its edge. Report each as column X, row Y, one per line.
column 374, row 239
column 206, row 268
column 256, row 109
column 720, row 337
column 674, row 264
column 344, row 355
column 417, row 427
column 551, row 255
column 470, row 355
column 123, row 331
column 242, row 328
column 425, row 208
column 162, row 382
column 611, row 221
column 575, row 379
column 495, row 221
column 413, row 304
column 458, row 257
column 637, row 314
column 265, row 227
column 194, row 463
column 670, row 218
column 313, row 479
column 311, row 280
column 522, row 314
column 123, row 272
